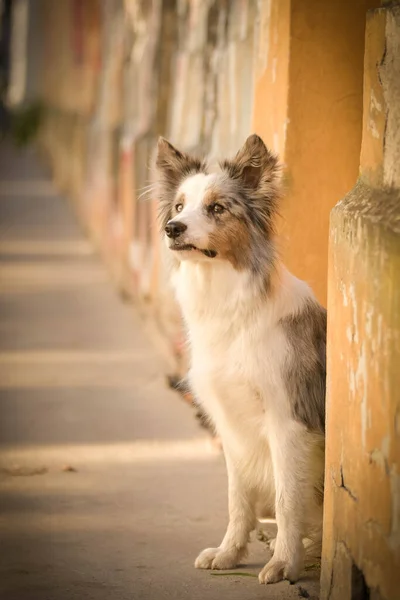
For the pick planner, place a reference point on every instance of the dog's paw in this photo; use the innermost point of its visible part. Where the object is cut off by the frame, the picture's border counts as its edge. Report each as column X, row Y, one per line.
column 205, row 558
column 215, row 558
column 275, row 570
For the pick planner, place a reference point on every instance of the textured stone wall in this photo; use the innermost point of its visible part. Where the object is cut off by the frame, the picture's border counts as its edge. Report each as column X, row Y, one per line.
column 361, row 554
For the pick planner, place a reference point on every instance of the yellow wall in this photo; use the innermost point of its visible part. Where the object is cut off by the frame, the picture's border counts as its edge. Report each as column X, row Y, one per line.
column 361, row 549
column 308, row 107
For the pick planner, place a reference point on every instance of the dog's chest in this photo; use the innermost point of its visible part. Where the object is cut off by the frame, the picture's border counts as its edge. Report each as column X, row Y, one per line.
column 237, row 347
column 234, row 376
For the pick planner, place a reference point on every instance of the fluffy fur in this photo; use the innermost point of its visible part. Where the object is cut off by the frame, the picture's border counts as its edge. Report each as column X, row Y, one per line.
column 257, row 337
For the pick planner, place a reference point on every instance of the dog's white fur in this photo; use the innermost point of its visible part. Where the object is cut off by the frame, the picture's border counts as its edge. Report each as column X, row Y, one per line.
column 237, row 350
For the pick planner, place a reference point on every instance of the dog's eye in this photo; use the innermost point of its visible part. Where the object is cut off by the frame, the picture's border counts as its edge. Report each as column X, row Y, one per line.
column 178, row 207
column 217, row 209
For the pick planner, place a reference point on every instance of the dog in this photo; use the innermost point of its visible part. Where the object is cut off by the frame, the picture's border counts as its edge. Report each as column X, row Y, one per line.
column 257, row 338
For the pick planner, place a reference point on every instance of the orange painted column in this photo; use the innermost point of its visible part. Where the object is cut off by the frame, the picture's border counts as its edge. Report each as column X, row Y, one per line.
column 270, row 110
column 361, row 548
column 308, row 109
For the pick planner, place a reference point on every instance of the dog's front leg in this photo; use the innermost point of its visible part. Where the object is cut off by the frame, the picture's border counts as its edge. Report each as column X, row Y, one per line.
column 290, row 454
column 241, row 522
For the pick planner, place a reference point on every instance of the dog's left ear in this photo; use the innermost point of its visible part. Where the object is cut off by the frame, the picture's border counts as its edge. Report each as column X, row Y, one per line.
column 254, row 164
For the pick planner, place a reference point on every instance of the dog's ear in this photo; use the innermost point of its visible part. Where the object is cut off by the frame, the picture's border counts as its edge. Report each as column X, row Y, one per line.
column 174, row 165
column 255, row 165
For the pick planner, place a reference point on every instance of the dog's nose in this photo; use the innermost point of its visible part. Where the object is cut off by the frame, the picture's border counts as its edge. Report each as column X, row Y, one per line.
column 174, row 229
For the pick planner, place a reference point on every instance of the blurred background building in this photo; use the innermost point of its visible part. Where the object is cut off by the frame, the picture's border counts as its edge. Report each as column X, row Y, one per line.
column 320, row 82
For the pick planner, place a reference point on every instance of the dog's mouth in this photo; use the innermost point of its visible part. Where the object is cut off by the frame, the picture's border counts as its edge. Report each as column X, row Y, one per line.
column 191, row 248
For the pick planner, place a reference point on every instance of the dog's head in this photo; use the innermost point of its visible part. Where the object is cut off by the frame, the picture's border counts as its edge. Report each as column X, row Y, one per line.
column 227, row 215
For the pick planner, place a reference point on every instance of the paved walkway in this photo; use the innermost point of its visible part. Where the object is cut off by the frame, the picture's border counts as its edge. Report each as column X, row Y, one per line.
column 108, row 488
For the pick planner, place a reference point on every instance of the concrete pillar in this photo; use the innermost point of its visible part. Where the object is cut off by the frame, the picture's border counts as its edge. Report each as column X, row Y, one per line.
column 308, row 108
column 361, row 549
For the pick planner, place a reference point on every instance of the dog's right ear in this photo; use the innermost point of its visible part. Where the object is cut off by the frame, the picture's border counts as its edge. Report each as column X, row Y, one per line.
column 174, row 165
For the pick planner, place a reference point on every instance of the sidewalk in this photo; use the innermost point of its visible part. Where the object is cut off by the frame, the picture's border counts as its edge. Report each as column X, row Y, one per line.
column 108, row 487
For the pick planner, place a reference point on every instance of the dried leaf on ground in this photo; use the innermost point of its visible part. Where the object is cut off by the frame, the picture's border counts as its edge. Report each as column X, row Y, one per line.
column 234, row 574
column 313, row 567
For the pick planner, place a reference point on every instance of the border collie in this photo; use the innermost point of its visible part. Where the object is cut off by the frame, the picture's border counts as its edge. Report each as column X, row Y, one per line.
column 257, row 338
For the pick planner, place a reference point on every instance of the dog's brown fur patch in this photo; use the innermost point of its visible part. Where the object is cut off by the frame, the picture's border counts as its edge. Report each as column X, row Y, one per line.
column 230, row 240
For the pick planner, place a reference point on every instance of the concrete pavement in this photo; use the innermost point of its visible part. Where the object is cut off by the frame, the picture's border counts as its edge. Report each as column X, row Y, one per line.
column 108, row 488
